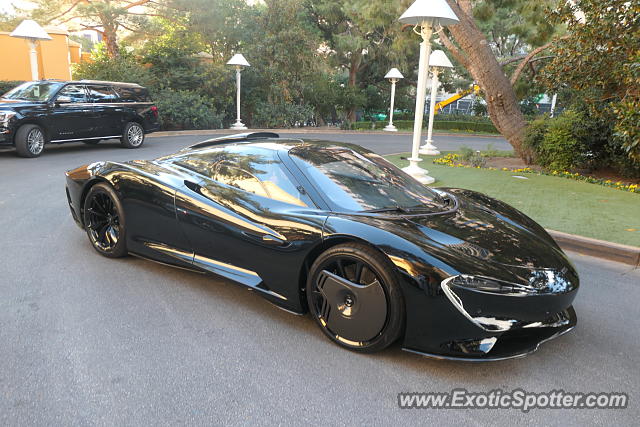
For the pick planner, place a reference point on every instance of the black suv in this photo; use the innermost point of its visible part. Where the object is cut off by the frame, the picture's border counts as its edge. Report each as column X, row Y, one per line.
column 53, row 112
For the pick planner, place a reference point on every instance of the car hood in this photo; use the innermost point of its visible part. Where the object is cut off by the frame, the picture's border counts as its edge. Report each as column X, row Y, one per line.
column 484, row 232
column 480, row 236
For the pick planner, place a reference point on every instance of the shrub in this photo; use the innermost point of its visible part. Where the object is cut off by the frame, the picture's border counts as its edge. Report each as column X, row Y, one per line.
column 183, row 109
column 627, row 128
column 534, row 134
column 281, row 115
column 466, row 153
column 437, row 125
column 556, row 142
column 125, row 68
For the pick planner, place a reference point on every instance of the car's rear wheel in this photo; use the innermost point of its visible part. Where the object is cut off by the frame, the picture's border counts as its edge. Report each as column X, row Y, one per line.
column 132, row 135
column 30, row 141
column 104, row 221
column 354, row 295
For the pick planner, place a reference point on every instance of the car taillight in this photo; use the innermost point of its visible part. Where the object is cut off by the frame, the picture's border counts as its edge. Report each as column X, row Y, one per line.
column 154, row 110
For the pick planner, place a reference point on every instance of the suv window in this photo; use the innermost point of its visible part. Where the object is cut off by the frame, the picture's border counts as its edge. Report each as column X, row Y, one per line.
column 102, row 94
column 76, row 93
column 133, row 94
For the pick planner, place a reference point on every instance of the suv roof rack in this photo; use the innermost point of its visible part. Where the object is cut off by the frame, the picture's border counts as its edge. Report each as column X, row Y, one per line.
column 249, row 136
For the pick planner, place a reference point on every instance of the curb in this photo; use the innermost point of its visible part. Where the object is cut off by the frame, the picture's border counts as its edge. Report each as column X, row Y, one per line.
column 305, row 131
column 625, row 254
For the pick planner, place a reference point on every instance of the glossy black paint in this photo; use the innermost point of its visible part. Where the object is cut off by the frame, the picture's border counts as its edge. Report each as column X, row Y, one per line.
column 74, row 121
column 179, row 217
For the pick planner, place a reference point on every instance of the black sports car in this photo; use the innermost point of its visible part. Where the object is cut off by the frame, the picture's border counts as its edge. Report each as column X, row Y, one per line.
column 336, row 230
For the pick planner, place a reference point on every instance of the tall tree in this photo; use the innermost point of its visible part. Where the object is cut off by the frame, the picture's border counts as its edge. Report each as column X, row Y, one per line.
column 599, row 59
column 472, row 48
column 222, row 24
column 107, row 17
column 356, row 31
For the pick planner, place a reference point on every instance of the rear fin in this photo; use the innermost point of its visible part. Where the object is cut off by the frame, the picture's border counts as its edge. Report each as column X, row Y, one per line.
column 234, row 138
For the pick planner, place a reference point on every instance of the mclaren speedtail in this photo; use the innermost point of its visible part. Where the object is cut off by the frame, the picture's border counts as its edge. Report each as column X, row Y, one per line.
column 336, row 230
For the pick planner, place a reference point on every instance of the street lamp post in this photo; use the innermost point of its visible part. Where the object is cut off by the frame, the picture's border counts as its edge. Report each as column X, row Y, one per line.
column 424, row 15
column 32, row 32
column 239, row 62
column 437, row 61
column 393, row 75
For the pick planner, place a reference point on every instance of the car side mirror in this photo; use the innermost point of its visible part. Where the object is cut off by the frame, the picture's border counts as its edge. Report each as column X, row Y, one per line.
column 62, row 99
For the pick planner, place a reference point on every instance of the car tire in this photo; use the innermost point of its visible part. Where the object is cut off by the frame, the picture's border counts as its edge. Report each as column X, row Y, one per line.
column 30, row 140
column 132, row 135
column 354, row 295
column 104, row 221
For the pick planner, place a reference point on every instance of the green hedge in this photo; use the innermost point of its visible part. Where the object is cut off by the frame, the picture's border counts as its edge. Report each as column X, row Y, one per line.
column 437, row 125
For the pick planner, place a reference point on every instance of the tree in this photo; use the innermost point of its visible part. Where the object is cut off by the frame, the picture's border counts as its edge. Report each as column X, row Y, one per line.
column 599, row 59
column 471, row 47
column 356, row 31
column 222, row 24
column 282, row 47
column 107, row 17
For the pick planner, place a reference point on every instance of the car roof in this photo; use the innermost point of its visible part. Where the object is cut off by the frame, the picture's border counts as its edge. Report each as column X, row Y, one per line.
column 102, row 82
column 266, row 140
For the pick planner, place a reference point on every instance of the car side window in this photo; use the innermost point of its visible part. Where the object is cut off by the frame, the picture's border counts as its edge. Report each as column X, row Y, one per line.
column 103, row 94
column 229, row 174
column 76, row 93
column 270, row 171
column 254, row 170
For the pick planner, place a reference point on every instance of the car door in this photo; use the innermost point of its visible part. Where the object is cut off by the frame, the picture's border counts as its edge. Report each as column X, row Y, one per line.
column 107, row 111
column 72, row 115
column 251, row 222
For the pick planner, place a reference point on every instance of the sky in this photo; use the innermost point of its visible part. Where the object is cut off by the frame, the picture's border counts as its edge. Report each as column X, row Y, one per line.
column 10, row 6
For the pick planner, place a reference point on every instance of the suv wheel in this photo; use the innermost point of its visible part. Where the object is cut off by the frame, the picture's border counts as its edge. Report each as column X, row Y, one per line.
column 30, row 141
column 133, row 135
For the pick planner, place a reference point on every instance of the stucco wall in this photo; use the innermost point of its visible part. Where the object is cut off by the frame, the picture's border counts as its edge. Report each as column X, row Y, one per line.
column 54, row 57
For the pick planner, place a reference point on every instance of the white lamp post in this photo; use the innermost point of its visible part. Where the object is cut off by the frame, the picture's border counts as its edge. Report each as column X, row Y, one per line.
column 424, row 14
column 437, row 61
column 32, row 32
column 393, row 75
column 239, row 62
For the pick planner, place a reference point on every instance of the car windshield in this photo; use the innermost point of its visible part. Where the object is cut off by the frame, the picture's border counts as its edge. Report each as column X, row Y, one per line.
column 34, row 91
column 361, row 181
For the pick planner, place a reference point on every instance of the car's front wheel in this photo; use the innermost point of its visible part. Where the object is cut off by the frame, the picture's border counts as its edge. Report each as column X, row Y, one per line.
column 104, row 221
column 354, row 295
column 30, row 141
column 132, row 135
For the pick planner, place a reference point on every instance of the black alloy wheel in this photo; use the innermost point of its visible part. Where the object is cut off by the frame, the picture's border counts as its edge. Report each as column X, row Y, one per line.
column 104, row 221
column 354, row 296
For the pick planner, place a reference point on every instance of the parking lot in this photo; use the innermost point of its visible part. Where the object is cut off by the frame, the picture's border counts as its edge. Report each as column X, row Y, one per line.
column 87, row 340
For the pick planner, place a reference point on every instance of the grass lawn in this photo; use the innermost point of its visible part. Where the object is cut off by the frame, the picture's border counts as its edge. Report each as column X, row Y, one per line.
column 560, row 204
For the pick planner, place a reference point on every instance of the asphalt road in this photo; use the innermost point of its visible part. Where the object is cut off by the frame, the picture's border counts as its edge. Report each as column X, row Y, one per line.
column 86, row 340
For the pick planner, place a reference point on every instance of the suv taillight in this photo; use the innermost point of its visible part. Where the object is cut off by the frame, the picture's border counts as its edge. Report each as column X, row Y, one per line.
column 154, row 110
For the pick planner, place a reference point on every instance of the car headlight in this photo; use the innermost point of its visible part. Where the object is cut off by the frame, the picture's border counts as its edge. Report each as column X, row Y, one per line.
column 6, row 115
column 486, row 284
